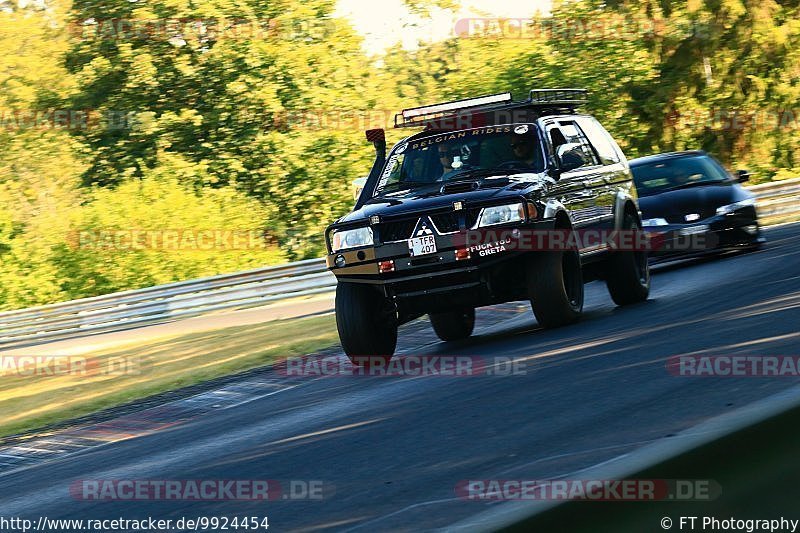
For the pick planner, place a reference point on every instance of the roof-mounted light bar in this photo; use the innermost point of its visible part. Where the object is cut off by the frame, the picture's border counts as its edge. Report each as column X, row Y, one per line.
column 558, row 96
column 456, row 105
column 489, row 109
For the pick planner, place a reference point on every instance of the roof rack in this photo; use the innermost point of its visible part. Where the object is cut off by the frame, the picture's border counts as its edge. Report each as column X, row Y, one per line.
column 542, row 101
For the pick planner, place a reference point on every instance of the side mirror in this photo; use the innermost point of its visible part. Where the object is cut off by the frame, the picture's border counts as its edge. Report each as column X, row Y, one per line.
column 570, row 157
column 742, row 176
column 358, row 186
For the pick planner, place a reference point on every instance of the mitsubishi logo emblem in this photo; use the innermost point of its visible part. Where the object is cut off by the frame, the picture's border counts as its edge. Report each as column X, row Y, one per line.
column 423, row 227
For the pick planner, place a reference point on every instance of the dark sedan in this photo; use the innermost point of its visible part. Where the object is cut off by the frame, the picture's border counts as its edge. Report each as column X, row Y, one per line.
column 691, row 205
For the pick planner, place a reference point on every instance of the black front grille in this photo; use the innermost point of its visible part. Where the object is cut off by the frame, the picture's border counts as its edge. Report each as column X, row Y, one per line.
column 397, row 231
column 446, row 223
column 472, row 216
column 680, row 218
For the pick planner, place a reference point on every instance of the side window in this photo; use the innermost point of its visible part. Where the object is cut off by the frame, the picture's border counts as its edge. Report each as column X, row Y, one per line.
column 603, row 143
column 392, row 170
column 574, row 135
column 556, row 138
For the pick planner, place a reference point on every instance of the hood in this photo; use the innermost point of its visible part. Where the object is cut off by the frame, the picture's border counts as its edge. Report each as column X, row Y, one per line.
column 471, row 192
column 700, row 200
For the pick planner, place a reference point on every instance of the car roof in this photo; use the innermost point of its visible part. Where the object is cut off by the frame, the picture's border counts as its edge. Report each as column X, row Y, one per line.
column 665, row 156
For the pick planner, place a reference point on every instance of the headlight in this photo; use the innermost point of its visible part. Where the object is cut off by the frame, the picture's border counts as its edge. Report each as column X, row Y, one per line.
column 351, row 238
column 654, row 222
column 501, row 214
column 730, row 208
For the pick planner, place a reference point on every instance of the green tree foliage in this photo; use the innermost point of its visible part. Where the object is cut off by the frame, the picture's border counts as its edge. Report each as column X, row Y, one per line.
column 719, row 75
column 249, row 115
column 158, row 230
column 40, row 163
column 234, row 88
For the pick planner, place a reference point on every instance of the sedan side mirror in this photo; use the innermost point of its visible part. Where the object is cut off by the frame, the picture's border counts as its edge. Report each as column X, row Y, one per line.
column 570, row 156
column 742, row 176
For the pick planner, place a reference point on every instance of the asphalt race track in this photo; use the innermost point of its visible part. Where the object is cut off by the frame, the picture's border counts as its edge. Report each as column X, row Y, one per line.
column 390, row 450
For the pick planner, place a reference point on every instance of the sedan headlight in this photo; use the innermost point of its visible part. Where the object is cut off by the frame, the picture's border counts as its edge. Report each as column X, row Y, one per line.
column 730, row 208
column 650, row 222
column 351, row 238
column 501, row 214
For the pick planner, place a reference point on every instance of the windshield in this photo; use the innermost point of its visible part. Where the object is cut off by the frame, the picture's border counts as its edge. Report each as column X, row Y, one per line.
column 676, row 173
column 467, row 154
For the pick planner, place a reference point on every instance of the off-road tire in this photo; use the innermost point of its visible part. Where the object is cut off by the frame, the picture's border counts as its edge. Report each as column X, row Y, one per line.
column 366, row 323
column 555, row 287
column 628, row 272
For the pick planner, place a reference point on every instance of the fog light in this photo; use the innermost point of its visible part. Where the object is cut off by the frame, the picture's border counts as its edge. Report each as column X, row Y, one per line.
column 752, row 230
column 339, row 261
column 386, row 266
column 462, row 254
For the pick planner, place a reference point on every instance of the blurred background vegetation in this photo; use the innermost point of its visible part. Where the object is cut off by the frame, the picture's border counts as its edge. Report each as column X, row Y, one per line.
column 240, row 122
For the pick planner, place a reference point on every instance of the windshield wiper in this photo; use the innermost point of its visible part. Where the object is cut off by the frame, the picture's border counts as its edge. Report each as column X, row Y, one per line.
column 693, row 184
column 400, row 185
column 478, row 173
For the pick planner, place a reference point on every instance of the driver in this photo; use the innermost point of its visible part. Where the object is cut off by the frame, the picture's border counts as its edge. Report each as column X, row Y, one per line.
column 446, row 158
column 524, row 149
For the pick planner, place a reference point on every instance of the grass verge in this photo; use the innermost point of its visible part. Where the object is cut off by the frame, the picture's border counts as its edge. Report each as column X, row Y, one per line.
column 779, row 219
column 117, row 376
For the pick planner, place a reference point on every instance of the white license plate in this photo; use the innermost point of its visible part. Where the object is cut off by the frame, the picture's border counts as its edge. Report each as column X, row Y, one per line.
column 422, row 245
column 694, row 230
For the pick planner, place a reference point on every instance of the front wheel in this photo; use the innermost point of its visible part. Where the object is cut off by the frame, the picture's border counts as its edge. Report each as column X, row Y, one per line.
column 453, row 325
column 628, row 276
column 366, row 323
column 555, row 287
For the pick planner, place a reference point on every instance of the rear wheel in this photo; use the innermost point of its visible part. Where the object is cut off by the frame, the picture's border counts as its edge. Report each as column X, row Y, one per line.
column 628, row 276
column 453, row 325
column 555, row 287
column 366, row 323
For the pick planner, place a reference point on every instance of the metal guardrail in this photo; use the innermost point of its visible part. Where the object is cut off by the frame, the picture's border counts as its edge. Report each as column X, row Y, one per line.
column 778, row 199
column 162, row 303
column 240, row 290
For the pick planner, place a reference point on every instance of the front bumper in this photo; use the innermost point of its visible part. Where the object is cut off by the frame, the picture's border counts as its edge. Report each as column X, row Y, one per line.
column 442, row 280
column 714, row 234
column 486, row 247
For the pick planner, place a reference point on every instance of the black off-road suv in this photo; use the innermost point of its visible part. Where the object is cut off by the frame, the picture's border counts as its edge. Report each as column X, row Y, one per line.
column 473, row 211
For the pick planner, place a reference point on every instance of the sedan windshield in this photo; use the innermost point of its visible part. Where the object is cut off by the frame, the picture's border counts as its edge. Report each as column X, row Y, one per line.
column 676, row 173
column 468, row 154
